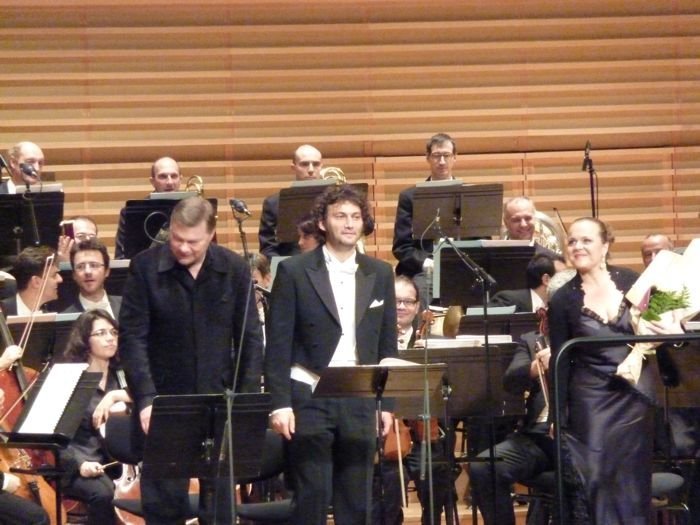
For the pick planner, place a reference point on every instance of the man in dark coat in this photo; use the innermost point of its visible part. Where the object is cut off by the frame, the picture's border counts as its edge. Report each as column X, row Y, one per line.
column 329, row 307
column 181, row 321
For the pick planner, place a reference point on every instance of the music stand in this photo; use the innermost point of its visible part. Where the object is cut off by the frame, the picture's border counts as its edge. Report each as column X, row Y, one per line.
column 61, row 435
column 186, row 436
column 143, row 221
column 455, row 284
column 378, row 381
column 48, row 338
column 16, row 230
column 298, row 201
column 465, row 210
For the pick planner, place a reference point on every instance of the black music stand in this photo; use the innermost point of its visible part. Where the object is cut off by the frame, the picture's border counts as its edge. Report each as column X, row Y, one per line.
column 379, row 381
column 47, row 340
column 500, row 324
column 297, row 201
column 465, row 210
column 186, row 436
column 16, row 228
column 63, row 432
column 144, row 219
column 454, row 284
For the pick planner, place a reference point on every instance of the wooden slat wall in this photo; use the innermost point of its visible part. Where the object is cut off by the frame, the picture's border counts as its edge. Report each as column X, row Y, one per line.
column 230, row 88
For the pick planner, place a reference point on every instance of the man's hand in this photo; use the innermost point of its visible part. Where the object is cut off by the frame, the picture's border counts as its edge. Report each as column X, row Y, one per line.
column 145, row 416
column 11, row 482
column 11, row 354
column 387, row 422
column 541, row 359
column 65, row 244
column 282, row 422
column 90, row 469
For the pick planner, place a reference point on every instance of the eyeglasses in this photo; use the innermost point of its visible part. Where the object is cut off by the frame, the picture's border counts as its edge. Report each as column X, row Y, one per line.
column 438, row 156
column 104, row 332
column 84, row 236
column 406, row 302
column 81, row 267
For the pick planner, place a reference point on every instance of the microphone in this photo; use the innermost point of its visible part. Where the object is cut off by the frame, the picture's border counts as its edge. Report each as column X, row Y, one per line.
column 586, row 156
column 237, row 205
column 29, row 170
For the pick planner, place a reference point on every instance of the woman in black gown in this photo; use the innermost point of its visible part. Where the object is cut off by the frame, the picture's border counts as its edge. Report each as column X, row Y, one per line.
column 93, row 340
column 607, row 432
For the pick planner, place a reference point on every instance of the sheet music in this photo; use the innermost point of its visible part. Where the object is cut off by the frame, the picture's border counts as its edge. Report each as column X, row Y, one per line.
column 53, row 398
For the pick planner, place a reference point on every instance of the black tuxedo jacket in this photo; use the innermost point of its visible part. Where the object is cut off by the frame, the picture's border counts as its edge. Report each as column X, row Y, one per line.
column 267, row 231
column 409, row 253
column 304, row 326
column 522, row 299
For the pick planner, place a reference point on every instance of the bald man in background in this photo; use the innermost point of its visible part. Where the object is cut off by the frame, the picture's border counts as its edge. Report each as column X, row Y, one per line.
column 306, row 165
column 27, row 154
column 653, row 244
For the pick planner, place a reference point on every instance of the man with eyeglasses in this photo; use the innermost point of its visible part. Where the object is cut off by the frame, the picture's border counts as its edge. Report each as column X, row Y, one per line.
column 90, row 262
column 306, row 165
column 165, row 177
column 415, row 259
column 84, row 228
column 32, row 292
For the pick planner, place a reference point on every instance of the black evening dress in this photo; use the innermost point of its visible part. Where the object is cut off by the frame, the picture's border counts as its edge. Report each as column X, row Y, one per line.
column 607, row 436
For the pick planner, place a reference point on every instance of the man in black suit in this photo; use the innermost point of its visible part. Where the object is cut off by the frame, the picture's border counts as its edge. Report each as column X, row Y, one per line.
column 329, row 307
column 90, row 262
column 415, row 257
column 29, row 155
column 306, row 165
column 181, row 323
column 28, row 272
column 539, row 271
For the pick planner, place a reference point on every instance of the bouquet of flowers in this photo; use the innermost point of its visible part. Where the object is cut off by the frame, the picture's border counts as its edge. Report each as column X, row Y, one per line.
column 665, row 296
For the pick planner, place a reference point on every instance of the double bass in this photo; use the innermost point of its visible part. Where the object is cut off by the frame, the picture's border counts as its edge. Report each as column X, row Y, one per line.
column 15, row 383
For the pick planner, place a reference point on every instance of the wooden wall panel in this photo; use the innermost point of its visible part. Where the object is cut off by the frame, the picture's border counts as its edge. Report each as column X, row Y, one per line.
column 231, row 87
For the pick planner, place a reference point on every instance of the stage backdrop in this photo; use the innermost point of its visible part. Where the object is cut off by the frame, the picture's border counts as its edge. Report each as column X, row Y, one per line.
column 230, row 88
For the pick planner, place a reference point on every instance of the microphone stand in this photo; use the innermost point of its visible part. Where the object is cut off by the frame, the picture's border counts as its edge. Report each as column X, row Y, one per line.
column 487, row 282
column 27, row 196
column 592, row 178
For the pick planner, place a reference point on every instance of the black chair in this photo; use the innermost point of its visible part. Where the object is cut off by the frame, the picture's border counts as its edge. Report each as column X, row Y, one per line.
column 273, row 464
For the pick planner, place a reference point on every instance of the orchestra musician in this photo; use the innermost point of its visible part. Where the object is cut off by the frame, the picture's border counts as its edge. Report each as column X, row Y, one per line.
column 26, row 160
column 93, row 340
column 183, row 308
column 28, row 271
column 607, row 436
column 307, row 162
column 330, row 306
column 165, row 177
column 84, row 228
column 528, row 451
column 90, row 262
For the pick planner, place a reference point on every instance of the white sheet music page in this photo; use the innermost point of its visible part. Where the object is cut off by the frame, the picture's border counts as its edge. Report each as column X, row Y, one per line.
column 53, row 398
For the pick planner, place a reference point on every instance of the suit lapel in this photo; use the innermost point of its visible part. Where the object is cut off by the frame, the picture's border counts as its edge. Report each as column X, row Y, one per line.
column 318, row 276
column 364, row 286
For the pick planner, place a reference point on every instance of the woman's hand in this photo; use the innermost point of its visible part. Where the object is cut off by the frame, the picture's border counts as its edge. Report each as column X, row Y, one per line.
column 101, row 413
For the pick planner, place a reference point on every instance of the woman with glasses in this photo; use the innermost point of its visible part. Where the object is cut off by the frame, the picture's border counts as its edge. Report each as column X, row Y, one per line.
column 93, row 340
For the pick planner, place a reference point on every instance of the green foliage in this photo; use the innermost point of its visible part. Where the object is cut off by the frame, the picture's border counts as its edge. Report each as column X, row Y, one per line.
column 661, row 302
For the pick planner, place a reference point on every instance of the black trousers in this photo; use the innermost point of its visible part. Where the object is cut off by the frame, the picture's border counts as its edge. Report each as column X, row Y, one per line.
column 98, row 494
column 19, row 511
column 330, row 458
column 520, row 458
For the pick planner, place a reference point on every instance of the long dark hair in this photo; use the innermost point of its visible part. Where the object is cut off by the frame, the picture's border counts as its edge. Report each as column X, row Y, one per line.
column 78, row 347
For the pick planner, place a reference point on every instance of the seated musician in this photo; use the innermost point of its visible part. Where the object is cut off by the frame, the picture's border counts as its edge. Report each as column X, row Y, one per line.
column 165, row 177
column 84, row 228
column 93, row 340
column 528, row 452
column 407, row 309
column 15, row 510
column 90, row 262
column 539, row 271
column 28, row 271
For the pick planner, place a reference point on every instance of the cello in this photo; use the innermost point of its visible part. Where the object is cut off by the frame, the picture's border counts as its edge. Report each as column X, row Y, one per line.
column 16, row 382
